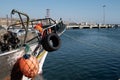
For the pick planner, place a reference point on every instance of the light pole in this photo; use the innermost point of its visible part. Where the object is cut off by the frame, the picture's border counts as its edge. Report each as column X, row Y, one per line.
column 104, row 13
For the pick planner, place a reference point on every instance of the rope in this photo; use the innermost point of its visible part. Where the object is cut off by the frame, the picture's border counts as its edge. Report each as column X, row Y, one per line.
column 89, row 44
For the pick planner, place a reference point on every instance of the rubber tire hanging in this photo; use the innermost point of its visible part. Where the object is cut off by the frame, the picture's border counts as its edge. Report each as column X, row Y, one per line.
column 51, row 42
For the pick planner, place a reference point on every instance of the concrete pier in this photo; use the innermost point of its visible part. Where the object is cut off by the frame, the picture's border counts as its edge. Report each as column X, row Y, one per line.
column 90, row 26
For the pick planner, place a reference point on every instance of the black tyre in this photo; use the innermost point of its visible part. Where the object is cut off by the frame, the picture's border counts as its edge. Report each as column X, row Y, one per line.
column 51, row 42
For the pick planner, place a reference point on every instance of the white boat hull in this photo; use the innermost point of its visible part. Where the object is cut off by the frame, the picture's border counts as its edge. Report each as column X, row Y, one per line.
column 8, row 59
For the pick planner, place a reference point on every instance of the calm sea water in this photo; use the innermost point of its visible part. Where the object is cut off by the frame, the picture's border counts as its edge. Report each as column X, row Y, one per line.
column 85, row 54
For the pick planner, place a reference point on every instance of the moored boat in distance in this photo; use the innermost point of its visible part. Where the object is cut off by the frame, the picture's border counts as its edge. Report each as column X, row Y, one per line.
column 20, row 41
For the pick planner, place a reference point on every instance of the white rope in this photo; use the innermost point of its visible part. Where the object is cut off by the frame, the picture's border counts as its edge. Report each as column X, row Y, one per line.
column 92, row 45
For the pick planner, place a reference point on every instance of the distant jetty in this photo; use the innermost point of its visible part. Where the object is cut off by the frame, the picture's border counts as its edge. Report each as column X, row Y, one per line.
column 90, row 26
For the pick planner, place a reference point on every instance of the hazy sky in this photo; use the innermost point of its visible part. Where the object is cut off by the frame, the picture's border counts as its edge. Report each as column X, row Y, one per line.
column 69, row 10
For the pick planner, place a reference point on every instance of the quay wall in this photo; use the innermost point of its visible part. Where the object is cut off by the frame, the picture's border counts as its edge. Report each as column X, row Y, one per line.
column 91, row 26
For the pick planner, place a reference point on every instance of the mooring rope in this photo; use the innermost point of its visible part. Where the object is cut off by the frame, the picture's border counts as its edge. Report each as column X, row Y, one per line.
column 92, row 45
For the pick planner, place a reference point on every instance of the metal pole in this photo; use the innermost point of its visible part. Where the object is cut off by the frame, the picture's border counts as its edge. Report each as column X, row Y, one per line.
column 7, row 20
column 11, row 19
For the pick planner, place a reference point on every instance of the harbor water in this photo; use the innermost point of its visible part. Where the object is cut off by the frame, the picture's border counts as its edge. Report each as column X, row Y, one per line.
column 85, row 54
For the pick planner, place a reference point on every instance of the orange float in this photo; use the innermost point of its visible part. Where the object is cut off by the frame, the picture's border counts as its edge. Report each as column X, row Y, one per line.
column 29, row 66
column 39, row 28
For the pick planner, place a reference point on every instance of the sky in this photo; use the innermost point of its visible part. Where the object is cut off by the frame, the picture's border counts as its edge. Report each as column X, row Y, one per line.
column 69, row 10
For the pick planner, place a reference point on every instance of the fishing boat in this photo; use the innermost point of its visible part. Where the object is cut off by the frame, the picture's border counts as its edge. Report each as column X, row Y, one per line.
column 24, row 39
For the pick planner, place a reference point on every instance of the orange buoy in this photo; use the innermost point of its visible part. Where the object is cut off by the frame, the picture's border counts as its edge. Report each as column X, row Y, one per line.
column 29, row 66
column 39, row 27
